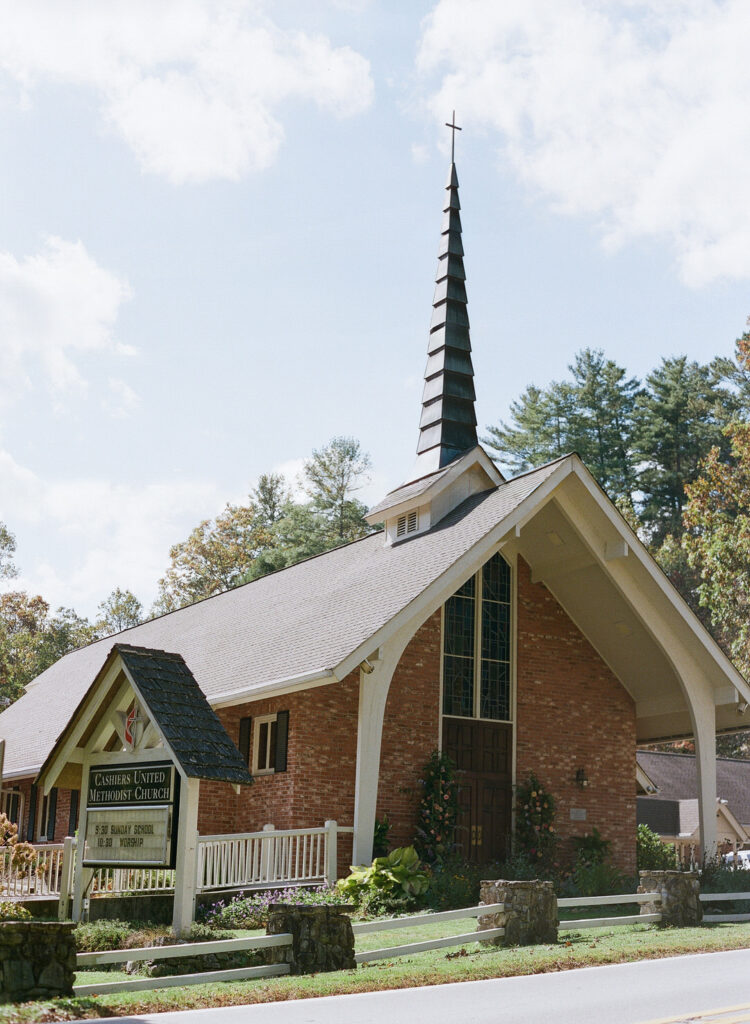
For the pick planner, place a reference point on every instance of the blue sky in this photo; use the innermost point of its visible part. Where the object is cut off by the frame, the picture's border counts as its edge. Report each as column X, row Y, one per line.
column 219, row 230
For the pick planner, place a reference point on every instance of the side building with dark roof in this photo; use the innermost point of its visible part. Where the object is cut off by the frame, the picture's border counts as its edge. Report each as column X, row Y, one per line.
column 518, row 624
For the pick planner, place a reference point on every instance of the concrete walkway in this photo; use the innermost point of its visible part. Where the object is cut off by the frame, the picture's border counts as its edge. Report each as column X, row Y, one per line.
column 697, row 987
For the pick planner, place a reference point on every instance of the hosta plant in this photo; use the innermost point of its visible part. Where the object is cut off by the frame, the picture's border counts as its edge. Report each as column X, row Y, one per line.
column 399, row 878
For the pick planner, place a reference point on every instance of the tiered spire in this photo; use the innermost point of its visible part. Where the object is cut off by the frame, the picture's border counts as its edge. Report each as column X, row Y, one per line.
column 448, row 426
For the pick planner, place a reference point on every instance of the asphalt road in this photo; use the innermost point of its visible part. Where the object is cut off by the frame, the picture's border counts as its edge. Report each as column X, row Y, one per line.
column 710, row 988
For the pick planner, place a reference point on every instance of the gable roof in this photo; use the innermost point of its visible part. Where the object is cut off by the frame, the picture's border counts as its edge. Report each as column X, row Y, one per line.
column 166, row 688
column 676, row 775
column 187, row 721
column 300, row 623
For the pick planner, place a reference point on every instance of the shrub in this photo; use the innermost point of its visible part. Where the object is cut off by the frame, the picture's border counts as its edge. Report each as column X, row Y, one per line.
column 390, row 883
column 535, row 839
column 592, row 848
column 438, row 810
column 251, row 911
column 98, row 936
column 10, row 911
column 651, row 853
column 24, row 855
column 597, row 879
column 380, row 837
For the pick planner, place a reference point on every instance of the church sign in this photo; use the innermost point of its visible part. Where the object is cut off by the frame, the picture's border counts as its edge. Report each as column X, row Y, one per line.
column 131, row 815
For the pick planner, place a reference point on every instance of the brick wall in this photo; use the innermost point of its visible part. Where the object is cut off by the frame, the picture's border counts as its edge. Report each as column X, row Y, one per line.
column 574, row 713
column 321, row 760
column 410, row 730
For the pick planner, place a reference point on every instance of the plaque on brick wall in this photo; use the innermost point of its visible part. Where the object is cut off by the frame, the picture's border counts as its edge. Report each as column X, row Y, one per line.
column 131, row 815
column 577, row 814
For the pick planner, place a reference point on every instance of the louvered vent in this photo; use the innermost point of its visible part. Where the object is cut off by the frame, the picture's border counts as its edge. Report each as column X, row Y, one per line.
column 407, row 524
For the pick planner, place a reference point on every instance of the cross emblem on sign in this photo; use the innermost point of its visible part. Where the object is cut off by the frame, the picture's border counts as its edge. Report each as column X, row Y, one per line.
column 131, row 722
column 454, row 128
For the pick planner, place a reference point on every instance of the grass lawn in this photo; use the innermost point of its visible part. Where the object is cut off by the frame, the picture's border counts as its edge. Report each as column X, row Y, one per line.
column 468, row 963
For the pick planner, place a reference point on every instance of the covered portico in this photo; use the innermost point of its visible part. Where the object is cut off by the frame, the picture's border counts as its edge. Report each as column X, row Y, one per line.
column 586, row 555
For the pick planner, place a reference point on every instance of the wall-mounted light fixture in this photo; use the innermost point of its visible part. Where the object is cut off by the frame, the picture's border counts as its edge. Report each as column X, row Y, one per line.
column 581, row 779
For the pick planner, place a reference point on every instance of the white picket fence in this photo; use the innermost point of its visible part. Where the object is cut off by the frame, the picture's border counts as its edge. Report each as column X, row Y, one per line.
column 40, row 880
column 120, row 956
column 603, row 901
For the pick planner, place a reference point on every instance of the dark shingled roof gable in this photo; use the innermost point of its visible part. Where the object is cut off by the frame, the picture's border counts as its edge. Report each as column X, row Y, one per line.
column 189, row 724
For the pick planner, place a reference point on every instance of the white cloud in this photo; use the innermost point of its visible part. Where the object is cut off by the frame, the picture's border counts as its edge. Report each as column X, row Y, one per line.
column 192, row 86
column 92, row 535
column 120, row 400
column 55, row 306
column 632, row 113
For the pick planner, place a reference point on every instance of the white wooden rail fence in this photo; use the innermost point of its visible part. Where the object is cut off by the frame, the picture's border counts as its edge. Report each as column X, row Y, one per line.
column 720, row 897
column 603, row 901
column 415, row 921
column 121, row 956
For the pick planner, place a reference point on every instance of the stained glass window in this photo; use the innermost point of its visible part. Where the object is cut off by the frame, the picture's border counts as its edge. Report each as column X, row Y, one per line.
column 476, row 682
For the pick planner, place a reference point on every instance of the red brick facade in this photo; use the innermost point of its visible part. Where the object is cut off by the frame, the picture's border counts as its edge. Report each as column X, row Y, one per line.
column 571, row 713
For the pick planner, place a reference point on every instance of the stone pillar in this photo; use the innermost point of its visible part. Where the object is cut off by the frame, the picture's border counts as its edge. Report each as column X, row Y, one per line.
column 323, row 939
column 530, row 915
column 37, row 960
column 680, row 906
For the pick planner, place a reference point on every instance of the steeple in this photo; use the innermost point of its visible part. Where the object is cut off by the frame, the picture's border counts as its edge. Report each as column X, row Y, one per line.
column 448, row 426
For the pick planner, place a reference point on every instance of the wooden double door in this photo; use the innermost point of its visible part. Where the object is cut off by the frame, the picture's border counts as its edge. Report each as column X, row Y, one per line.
column 483, row 754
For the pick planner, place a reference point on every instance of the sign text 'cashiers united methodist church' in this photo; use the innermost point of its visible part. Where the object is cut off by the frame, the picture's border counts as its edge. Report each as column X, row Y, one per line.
column 131, row 815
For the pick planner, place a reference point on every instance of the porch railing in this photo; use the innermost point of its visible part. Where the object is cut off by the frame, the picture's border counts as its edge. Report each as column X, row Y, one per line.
column 272, row 857
column 41, row 878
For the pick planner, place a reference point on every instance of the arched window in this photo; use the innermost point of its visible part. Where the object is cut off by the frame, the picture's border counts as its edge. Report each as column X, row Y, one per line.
column 477, row 647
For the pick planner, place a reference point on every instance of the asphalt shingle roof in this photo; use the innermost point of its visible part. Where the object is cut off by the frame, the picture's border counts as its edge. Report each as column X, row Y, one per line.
column 676, row 775
column 188, row 722
column 307, row 618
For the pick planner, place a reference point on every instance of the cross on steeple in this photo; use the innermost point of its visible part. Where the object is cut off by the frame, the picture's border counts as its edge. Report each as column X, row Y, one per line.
column 454, row 128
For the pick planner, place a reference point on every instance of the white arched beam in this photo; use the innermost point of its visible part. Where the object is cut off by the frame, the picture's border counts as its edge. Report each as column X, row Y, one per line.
column 373, row 695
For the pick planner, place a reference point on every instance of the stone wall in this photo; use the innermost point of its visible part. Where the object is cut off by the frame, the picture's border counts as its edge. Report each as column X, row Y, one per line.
column 680, row 905
column 530, row 914
column 323, row 939
column 37, row 959
column 572, row 712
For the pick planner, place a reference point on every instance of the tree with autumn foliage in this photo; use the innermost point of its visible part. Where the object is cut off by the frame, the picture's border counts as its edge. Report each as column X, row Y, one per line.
column 717, row 541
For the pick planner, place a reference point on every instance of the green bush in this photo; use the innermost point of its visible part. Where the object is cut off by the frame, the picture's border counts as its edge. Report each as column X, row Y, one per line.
column 597, row 879
column 380, row 836
column 251, row 911
column 98, row 936
column 651, row 853
column 438, row 810
column 535, row 838
column 592, row 848
column 390, row 883
column 10, row 911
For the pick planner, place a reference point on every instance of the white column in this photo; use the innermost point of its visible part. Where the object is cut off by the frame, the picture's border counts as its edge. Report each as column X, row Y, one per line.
column 66, row 878
column 81, row 876
column 704, row 726
column 186, row 876
column 373, row 694
column 332, row 852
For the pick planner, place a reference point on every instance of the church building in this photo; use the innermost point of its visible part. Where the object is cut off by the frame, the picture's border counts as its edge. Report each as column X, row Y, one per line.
column 517, row 624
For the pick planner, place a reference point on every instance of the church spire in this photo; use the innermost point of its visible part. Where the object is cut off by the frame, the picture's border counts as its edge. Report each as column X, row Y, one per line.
column 448, row 426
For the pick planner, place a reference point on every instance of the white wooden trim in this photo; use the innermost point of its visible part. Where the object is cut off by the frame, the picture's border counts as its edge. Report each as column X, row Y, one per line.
column 713, row 897
column 121, row 956
column 421, row 947
column 724, row 918
column 417, row 920
column 602, row 901
column 607, row 922
column 178, row 980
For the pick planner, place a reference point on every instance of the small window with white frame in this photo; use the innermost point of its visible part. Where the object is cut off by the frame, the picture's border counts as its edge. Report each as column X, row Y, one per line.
column 264, row 744
column 408, row 523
